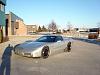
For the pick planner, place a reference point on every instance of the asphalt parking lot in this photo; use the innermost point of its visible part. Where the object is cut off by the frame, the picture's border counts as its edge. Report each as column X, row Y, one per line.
column 93, row 41
column 84, row 59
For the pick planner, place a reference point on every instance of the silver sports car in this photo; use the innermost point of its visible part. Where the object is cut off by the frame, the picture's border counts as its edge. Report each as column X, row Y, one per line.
column 44, row 46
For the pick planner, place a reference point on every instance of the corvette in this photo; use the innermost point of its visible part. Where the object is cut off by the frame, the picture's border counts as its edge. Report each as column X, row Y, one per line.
column 44, row 46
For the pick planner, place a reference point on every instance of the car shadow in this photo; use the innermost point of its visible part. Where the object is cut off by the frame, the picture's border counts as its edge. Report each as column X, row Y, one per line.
column 5, row 66
column 93, row 41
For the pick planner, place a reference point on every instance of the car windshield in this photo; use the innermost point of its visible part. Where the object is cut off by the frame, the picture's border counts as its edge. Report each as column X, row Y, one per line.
column 46, row 39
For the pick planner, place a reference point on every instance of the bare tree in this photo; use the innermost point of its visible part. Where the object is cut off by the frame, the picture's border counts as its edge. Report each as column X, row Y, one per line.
column 98, row 24
column 52, row 26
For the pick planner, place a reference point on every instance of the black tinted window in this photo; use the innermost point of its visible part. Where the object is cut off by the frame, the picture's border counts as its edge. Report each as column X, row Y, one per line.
column 46, row 39
column 59, row 38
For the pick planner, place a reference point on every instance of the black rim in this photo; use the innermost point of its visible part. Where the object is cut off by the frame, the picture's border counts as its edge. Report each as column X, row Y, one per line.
column 45, row 53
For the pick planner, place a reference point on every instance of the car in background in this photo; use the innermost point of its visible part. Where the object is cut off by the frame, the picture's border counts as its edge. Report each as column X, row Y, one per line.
column 44, row 46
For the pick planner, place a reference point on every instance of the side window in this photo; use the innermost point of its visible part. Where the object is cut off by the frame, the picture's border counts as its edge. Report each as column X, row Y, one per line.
column 59, row 38
column 43, row 38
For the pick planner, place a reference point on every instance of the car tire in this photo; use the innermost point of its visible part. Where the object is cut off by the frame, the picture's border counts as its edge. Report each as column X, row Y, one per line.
column 68, row 48
column 45, row 52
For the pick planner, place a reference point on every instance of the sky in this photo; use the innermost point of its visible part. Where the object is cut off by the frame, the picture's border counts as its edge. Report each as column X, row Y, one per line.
column 80, row 13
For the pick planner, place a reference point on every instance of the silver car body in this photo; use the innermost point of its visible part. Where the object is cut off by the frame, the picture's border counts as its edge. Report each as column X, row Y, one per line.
column 34, row 49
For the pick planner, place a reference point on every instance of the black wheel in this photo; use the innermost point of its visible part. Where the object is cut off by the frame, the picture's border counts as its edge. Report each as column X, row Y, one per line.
column 45, row 52
column 68, row 48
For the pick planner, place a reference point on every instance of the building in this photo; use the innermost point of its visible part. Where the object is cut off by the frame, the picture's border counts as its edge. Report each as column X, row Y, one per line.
column 15, row 25
column 31, row 29
column 2, row 20
column 82, row 29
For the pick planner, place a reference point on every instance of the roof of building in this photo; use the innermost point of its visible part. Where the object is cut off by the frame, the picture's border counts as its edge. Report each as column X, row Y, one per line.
column 3, row 2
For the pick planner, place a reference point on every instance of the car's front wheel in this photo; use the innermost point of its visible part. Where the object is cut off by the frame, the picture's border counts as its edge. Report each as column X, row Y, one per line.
column 45, row 52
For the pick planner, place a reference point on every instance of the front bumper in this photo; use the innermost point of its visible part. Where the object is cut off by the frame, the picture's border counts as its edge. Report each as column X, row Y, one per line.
column 28, row 54
column 24, row 54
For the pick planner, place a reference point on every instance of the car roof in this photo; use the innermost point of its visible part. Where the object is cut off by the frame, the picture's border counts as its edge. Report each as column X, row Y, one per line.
column 52, row 35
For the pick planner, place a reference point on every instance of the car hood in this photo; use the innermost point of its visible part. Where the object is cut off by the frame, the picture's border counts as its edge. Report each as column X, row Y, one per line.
column 30, row 46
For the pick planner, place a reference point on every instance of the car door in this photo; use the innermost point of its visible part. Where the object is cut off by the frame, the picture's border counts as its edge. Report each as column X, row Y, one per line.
column 55, row 46
column 59, row 44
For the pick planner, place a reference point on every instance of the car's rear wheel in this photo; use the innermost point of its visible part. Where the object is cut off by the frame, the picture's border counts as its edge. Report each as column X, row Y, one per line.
column 68, row 48
column 45, row 52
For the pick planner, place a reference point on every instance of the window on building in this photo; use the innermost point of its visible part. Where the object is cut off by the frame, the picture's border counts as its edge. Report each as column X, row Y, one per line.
column 17, row 25
column 2, row 7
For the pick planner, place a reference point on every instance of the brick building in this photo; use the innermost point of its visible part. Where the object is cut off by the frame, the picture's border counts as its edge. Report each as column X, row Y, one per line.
column 15, row 25
column 31, row 29
column 2, row 20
